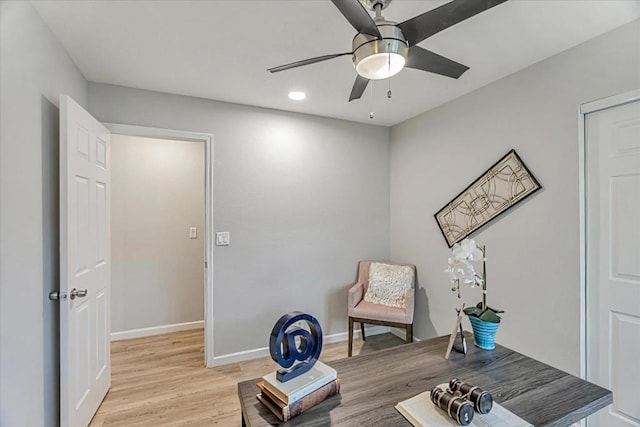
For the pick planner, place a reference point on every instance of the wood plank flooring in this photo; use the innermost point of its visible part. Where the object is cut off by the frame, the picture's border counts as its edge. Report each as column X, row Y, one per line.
column 162, row 381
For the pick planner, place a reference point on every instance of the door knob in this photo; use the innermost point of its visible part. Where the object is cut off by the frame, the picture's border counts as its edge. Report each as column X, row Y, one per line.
column 57, row 295
column 80, row 293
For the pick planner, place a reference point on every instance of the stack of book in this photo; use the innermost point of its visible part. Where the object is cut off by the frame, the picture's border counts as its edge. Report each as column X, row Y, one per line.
column 289, row 399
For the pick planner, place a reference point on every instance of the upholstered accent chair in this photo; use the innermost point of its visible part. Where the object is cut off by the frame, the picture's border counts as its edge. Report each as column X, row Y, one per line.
column 362, row 311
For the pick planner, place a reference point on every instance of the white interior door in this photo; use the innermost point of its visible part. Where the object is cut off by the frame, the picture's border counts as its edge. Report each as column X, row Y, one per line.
column 85, row 359
column 613, row 253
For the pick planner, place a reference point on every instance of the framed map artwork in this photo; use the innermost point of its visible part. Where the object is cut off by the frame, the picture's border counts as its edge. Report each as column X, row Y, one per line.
column 505, row 184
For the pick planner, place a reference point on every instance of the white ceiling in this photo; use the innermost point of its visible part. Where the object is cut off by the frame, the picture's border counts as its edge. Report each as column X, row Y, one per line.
column 221, row 49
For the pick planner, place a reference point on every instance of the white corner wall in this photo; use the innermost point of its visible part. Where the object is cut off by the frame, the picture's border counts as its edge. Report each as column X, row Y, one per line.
column 34, row 70
column 157, row 271
column 303, row 197
column 533, row 250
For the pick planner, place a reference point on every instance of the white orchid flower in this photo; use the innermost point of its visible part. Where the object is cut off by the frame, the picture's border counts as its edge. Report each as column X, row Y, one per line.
column 462, row 271
column 460, row 268
column 467, row 250
column 475, row 253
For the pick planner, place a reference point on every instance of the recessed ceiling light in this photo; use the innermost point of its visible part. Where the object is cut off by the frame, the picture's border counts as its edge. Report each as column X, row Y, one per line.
column 297, row 96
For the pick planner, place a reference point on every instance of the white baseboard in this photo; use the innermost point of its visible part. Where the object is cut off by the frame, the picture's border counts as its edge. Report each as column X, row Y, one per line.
column 156, row 330
column 344, row 336
column 240, row 356
column 400, row 333
column 256, row 353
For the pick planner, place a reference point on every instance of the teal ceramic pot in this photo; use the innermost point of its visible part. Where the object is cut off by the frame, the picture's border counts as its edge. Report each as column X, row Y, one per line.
column 484, row 333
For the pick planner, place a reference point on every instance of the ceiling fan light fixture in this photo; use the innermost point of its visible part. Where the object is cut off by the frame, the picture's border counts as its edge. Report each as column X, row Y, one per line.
column 380, row 65
column 376, row 59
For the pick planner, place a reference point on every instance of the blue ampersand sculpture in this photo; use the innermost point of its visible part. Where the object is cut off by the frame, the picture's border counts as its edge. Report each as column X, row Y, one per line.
column 286, row 352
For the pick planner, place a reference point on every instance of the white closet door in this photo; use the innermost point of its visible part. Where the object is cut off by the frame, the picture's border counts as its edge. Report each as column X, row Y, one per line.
column 613, row 268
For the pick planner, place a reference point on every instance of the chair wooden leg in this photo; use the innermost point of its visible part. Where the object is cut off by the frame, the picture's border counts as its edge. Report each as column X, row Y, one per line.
column 362, row 330
column 350, row 337
column 409, row 334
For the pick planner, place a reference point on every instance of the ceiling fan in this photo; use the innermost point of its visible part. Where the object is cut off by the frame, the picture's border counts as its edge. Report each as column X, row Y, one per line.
column 382, row 48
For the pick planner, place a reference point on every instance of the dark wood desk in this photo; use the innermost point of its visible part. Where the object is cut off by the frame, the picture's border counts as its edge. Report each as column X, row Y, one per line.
column 372, row 384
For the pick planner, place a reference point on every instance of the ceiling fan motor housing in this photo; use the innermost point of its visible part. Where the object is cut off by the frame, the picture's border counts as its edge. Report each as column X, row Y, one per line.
column 376, row 58
column 371, row 4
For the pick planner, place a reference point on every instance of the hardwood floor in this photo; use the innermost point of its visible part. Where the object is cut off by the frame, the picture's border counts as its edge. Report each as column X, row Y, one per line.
column 162, row 381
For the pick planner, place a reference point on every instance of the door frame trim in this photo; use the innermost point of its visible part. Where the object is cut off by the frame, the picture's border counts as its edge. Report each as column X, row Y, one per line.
column 207, row 138
column 583, row 110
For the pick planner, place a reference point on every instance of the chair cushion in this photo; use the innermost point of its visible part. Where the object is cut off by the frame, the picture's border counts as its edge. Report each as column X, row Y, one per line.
column 383, row 313
column 388, row 284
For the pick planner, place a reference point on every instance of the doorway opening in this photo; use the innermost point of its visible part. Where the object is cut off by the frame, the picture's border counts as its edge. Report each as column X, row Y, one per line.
column 162, row 278
column 157, row 236
column 162, row 238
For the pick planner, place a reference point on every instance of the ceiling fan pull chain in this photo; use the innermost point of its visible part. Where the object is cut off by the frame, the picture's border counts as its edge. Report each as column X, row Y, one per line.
column 389, row 91
column 371, row 100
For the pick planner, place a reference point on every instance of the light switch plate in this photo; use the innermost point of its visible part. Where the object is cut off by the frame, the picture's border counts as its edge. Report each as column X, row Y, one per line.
column 193, row 232
column 223, row 238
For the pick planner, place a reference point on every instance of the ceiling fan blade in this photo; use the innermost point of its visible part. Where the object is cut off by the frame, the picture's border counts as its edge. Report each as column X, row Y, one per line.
column 358, row 16
column 358, row 87
column 306, row 62
column 429, row 23
column 425, row 60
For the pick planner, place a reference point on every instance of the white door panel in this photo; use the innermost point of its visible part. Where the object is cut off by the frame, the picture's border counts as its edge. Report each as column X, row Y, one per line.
column 625, row 223
column 85, row 366
column 613, row 268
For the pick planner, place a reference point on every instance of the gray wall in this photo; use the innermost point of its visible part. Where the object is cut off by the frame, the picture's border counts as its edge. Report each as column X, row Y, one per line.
column 533, row 251
column 304, row 198
column 34, row 71
column 157, row 193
